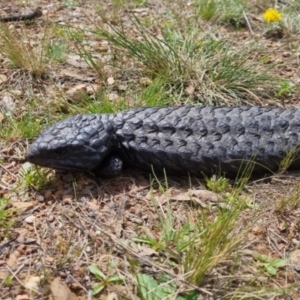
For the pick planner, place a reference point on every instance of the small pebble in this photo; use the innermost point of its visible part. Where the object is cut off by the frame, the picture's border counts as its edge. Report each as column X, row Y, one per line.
column 30, row 219
column 286, row 54
column 294, row 260
column 50, row 218
column 62, row 274
column 40, row 198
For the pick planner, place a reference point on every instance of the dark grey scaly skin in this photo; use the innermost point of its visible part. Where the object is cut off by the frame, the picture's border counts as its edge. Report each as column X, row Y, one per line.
column 194, row 139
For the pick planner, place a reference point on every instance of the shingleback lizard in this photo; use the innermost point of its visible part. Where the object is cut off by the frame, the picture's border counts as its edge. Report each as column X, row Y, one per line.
column 184, row 139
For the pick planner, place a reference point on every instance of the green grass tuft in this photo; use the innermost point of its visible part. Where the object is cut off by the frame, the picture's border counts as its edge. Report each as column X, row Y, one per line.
column 221, row 72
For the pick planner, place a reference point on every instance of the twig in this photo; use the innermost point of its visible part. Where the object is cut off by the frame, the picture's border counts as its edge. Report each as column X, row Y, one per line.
column 36, row 14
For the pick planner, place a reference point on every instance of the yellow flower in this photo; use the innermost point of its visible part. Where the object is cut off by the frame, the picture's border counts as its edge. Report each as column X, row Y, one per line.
column 272, row 15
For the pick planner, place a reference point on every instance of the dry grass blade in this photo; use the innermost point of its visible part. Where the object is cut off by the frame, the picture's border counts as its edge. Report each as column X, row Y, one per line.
column 217, row 243
column 20, row 53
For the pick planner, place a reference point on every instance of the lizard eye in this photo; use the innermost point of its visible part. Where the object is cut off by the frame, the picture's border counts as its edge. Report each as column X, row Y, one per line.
column 60, row 151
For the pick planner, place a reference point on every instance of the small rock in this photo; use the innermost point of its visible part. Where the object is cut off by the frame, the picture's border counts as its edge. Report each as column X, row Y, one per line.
column 68, row 198
column 113, row 96
column 33, row 283
column 112, row 296
column 286, row 54
column 75, row 286
column 30, row 219
column 51, row 218
column 294, row 260
column 136, row 220
column 40, row 198
column 49, row 260
column 110, row 80
column 296, row 242
column 122, row 87
column 62, row 274
column 8, row 103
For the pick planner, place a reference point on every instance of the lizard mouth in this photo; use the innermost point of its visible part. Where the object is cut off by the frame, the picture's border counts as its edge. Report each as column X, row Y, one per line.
column 51, row 163
column 57, row 164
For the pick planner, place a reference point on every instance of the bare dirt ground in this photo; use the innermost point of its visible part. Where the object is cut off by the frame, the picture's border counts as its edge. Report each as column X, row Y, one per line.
column 75, row 221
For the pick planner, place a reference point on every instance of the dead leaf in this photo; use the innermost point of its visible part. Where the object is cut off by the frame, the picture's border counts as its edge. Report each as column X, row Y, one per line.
column 251, row 236
column 113, row 96
column 281, row 246
column 145, row 81
column 33, row 283
column 92, row 206
column 16, row 92
column 257, row 230
column 77, row 92
column 61, row 291
column 22, row 206
column 8, row 103
column 68, row 198
column 3, row 275
column 6, row 150
column 76, row 61
column 190, row 90
column 13, row 259
column 205, row 195
column 69, row 73
column 3, row 78
column 294, row 260
column 146, row 251
column 112, row 296
column 91, row 89
column 198, row 196
column 49, row 260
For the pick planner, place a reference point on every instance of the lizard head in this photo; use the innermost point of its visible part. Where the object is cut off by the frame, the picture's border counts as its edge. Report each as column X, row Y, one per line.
column 77, row 143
